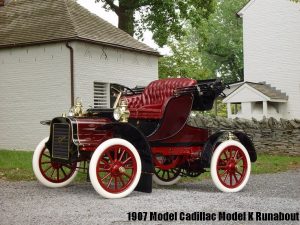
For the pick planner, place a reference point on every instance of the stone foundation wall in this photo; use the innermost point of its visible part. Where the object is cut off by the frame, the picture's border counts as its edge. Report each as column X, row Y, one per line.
column 268, row 135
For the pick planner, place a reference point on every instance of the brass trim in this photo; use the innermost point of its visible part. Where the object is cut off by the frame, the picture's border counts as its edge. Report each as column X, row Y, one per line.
column 230, row 136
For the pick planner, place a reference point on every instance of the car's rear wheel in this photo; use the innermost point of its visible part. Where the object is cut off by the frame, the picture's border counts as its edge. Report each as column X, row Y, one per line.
column 115, row 168
column 165, row 172
column 230, row 166
column 166, row 177
column 49, row 173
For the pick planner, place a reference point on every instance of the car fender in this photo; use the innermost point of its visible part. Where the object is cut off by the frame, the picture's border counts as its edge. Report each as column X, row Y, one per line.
column 214, row 139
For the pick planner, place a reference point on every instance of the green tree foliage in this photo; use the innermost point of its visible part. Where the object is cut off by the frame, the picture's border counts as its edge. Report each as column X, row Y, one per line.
column 185, row 60
column 221, row 41
column 212, row 48
column 163, row 18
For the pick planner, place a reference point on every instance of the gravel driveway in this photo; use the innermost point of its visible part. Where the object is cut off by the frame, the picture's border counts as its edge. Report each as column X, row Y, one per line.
column 31, row 203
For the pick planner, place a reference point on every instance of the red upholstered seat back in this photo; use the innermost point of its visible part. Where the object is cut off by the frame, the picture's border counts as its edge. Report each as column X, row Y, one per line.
column 158, row 91
column 151, row 102
column 134, row 101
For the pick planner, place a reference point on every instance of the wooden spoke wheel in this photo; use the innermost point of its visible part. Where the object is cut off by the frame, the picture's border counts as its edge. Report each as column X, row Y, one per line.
column 49, row 173
column 166, row 173
column 115, row 168
column 166, row 177
column 230, row 166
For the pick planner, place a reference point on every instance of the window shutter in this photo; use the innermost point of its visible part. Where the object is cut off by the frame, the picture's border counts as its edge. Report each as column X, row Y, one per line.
column 101, row 95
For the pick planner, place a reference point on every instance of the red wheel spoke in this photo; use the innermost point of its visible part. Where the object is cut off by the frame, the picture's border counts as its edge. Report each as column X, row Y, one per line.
column 106, row 176
column 221, row 167
column 121, row 156
column 236, row 179
column 109, row 156
column 235, row 168
column 48, row 156
column 226, row 157
column 239, row 159
column 128, row 167
column 105, row 162
column 63, row 171
column 226, row 176
column 122, row 181
column 126, row 175
column 110, row 180
column 52, row 173
column 57, row 173
column 168, row 174
column 235, row 154
column 126, row 160
column 102, row 170
column 116, row 154
column 116, row 183
column 110, row 166
column 225, row 172
column 238, row 172
column 68, row 166
column 47, row 169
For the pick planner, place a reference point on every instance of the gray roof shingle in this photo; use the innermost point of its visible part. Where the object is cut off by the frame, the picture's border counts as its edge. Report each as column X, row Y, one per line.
column 269, row 91
column 24, row 22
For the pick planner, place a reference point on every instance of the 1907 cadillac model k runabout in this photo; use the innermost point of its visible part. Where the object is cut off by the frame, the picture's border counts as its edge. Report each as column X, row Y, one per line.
column 144, row 136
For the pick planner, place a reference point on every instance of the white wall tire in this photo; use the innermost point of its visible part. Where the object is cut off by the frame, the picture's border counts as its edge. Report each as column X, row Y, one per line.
column 43, row 168
column 115, row 168
column 230, row 166
column 165, row 182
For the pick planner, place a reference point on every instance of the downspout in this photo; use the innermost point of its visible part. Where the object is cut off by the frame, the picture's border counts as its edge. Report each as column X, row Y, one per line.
column 72, row 71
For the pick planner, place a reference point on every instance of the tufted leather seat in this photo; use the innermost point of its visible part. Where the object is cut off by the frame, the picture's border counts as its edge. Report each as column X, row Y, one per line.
column 151, row 102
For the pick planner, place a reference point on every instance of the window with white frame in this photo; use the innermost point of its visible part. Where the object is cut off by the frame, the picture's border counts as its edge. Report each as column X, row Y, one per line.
column 101, row 95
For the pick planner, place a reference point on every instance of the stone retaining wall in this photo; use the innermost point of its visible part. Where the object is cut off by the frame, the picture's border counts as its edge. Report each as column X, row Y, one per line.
column 269, row 135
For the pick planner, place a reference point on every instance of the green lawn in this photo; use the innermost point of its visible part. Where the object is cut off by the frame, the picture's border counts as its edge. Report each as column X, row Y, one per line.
column 16, row 165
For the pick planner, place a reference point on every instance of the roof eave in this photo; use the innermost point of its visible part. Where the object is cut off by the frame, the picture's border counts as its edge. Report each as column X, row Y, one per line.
column 241, row 12
column 155, row 53
column 278, row 100
column 118, row 46
column 240, row 88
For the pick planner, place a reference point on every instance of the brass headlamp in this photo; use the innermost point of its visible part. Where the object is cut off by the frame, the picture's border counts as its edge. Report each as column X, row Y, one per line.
column 77, row 109
column 121, row 112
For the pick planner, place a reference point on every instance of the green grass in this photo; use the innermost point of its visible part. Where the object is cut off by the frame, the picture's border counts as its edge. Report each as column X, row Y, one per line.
column 16, row 165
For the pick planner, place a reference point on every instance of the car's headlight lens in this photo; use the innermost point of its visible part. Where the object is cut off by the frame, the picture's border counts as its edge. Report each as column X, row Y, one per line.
column 117, row 113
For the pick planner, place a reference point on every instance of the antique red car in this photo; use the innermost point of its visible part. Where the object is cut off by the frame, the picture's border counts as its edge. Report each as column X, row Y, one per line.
column 144, row 136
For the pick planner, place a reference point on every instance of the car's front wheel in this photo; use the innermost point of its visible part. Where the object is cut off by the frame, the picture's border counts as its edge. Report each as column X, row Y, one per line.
column 230, row 166
column 115, row 168
column 49, row 173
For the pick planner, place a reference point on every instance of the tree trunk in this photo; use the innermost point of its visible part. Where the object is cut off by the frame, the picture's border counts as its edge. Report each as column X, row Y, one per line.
column 126, row 20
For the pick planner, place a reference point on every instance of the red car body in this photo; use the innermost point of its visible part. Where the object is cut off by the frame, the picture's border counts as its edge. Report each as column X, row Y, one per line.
column 161, row 145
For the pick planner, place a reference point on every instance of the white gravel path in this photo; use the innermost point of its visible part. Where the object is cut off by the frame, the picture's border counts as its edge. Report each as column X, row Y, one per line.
column 31, row 203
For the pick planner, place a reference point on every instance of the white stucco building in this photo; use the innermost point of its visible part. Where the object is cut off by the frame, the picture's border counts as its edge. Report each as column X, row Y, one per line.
column 271, row 35
column 54, row 51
